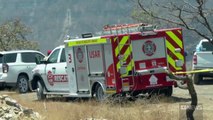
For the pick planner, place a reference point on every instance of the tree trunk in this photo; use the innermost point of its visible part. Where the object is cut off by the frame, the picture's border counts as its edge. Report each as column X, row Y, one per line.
column 190, row 110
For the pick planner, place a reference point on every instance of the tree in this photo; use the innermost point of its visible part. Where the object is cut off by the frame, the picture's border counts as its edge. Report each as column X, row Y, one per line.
column 194, row 15
column 13, row 36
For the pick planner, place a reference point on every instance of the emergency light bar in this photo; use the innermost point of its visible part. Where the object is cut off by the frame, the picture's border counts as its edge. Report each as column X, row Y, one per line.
column 122, row 26
column 87, row 35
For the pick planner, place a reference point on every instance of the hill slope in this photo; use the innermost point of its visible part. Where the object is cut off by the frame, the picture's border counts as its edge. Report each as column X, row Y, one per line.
column 52, row 20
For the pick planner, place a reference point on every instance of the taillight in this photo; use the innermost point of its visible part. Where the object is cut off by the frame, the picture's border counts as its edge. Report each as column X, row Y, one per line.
column 5, row 68
column 195, row 59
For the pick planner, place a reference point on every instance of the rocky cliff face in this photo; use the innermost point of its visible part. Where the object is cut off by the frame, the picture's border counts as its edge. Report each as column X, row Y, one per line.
column 10, row 109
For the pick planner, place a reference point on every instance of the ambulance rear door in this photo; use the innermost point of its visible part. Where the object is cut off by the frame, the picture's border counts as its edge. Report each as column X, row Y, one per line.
column 149, row 53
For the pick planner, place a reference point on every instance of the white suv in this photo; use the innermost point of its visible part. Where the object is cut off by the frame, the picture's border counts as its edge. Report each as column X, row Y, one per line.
column 16, row 68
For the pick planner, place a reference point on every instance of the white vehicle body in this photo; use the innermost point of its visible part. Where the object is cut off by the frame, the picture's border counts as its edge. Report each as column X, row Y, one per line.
column 202, row 59
column 53, row 73
column 16, row 67
column 53, row 77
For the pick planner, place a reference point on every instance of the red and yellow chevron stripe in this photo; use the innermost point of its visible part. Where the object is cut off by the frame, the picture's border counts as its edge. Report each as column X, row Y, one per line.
column 173, row 41
column 123, row 53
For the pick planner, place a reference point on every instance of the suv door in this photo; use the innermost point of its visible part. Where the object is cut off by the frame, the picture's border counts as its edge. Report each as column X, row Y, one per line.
column 29, row 61
column 56, row 71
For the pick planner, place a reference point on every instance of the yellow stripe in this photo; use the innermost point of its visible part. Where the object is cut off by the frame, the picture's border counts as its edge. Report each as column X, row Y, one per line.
column 175, row 38
column 172, row 49
column 172, row 62
column 115, row 39
column 118, row 65
column 121, row 44
column 87, row 42
column 179, row 31
column 117, row 51
column 129, row 68
column 194, row 71
column 124, row 40
column 127, row 53
column 130, row 65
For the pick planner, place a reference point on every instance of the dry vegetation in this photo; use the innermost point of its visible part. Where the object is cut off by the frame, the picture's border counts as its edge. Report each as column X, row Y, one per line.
column 156, row 108
column 142, row 109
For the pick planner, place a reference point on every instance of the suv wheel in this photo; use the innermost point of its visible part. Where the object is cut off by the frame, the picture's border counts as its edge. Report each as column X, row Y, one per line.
column 40, row 91
column 23, row 84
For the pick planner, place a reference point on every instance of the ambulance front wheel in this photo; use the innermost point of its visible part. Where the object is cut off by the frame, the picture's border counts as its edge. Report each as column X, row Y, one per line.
column 40, row 91
column 99, row 93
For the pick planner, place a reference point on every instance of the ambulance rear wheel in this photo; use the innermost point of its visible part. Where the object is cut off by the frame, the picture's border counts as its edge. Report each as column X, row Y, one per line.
column 168, row 91
column 40, row 91
column 99, row 93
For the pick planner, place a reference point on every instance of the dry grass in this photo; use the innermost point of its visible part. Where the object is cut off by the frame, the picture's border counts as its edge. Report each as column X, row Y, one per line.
column 91, row 109
column 141, row 109
column 155, row 108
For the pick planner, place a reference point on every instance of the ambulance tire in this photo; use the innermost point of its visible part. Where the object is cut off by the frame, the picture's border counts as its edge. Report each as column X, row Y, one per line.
column 196, row 78
column 99, row 93
column 168, row 91
column 40, row 91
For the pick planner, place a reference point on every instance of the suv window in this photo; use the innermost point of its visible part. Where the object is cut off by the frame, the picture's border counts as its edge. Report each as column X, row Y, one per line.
column 54, row 56
column 8, row 58
column 206, row 46
column 30, row 57
column 63, row 58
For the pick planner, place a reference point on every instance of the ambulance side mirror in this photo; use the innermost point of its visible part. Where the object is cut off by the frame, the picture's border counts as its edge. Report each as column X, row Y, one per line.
column 44, row 61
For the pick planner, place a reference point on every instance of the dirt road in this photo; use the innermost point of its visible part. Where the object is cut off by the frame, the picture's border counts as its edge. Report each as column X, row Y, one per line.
column 205, row 97
column 179, row 98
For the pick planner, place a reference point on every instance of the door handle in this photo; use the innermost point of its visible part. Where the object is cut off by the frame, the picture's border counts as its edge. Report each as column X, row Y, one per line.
column 53, row 70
